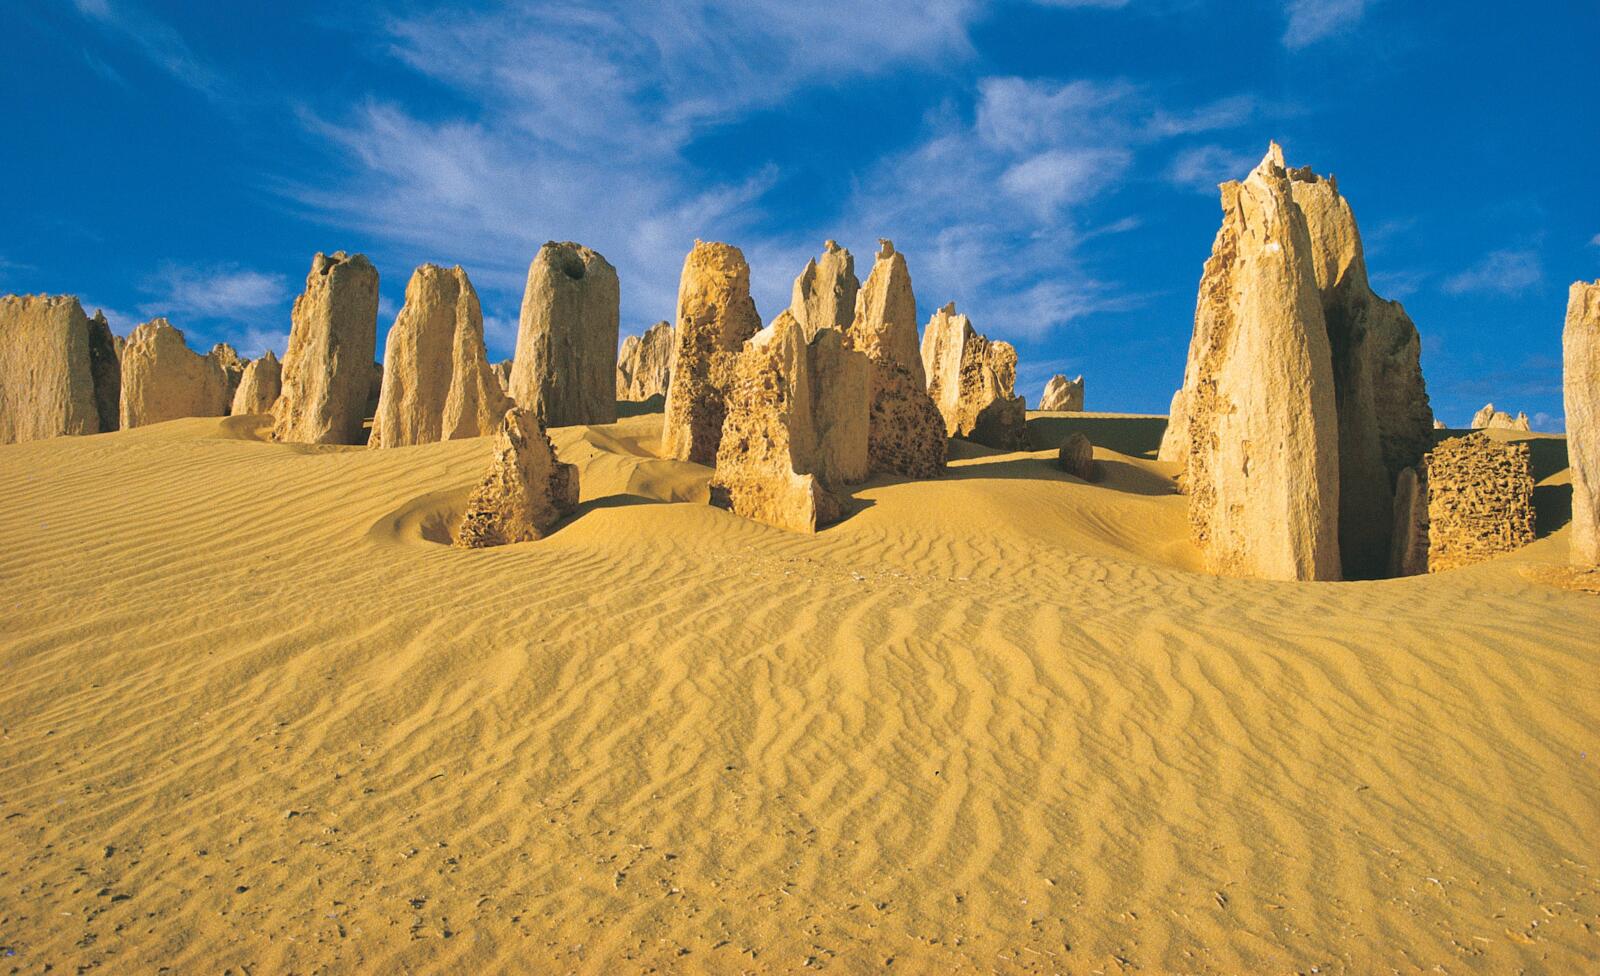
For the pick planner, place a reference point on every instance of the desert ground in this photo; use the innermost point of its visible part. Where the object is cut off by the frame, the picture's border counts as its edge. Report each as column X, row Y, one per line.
column 257, row 718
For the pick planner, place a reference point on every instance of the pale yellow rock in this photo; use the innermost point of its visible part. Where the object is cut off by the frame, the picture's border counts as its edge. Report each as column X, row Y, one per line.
column 1489, row 417
column 972, row 381
column 502, row 375
column 566, row 362
column 227, row 360
column 1258, row 410
column 163, row 379
column 1479, row 499
column 1061, row 393
column 527, row 491
column 715, row 317
column 259, row 386
column 1175, row 438
column 644, row 366
column 437, row 382
column 47, row 374
column 885, row 322
column 328, row 366
column 824, row 295
column 1580, row 354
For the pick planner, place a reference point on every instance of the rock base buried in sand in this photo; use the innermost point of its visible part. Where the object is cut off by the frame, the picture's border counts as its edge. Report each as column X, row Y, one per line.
column 972, row 380
column 47, row 376
column 1076, row 457
column 1479, row 501
column 527, row 491
column 259, row 386
column 163, row 379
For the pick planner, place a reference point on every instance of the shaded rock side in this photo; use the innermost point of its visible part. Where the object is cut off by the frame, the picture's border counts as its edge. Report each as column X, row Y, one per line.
column 527, row 491
column 105, row 367
column 1580, row 354
column 796, row 427
column 1076, row 456
column 1174, row 447
column 715, row 317
column 1479, row 500
column 259, row 386
column 885, row 322
column 824, row 295
column 1259, row 416
column 227, row 360
column 644, row 366
column 327, row 373
column 566, row 362
column 502, row 375
column 47, row 376
column 437, row 382
column 972, row 380
column 1408, row 542
column 1061, row 393
column 163, row 379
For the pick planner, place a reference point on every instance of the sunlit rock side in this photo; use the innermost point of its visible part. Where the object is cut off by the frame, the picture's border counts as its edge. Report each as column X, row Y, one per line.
column 566, row 363
column 715, row 316
column 527, row 491
column 163, row 379
column 327, row 373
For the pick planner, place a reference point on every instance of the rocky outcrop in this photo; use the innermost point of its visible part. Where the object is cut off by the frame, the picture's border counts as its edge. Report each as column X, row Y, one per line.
column 227, row 360
column 905, row 433
column 1061, row 393
column 105, row 367
column 644, row 366
column 1076, row 456
column 527, row 490
column 502, row 375
column 1490, row 417
column 566, row 362
column 163, row 379
column 1580, row 353
column 1174, row 446
column 796, row 427
column 259, row 386
column 328, row 366
column 47, row 374
column 437, row 382
column 825, row 293
column 1259, row 416
column 885, row 322
column 1439, row 424
column 715, row 317
column 972, row 381
column 1478, row 497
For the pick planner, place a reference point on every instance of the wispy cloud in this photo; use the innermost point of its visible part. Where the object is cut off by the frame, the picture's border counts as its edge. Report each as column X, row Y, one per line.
column 1595, row 240
column 154, row 39
column 224, row 292
column 1311, row 21
column 1504, row 272
column 1202, row 168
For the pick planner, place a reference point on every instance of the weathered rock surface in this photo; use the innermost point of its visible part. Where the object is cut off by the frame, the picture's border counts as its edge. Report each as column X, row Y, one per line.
column 105, row 366
column 1479, row 501
column 1259, row 417
column 972, row 380
column 796, row 427
column 328, row 366
column 437, row 382
column 502, row 375
column 566, row 363
column 1076, row 456
column 1490, row 417
column 163, row 379
column 715, row 316
column 1061, row 393
column 644, row 366
column 527, row 490
column 824, row 295
column 1580, row 353
column 1408, row 543
column 885, row 322
column 47, row 373
column 227, row 360
column 259, row 386
column 1175, row 438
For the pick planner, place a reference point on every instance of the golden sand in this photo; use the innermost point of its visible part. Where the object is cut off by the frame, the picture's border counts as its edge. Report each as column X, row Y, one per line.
column 254, row 717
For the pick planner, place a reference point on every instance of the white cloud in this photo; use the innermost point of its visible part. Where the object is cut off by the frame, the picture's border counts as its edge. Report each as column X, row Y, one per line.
column 1314, row 20
column 1202, row 168
column 1504, row 272
column 1595, row 240
column 213, row 292
column 156, row 41
column 1047, row 181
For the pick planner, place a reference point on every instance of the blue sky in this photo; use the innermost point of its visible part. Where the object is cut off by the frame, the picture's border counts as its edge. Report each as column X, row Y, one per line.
column 1049, row 165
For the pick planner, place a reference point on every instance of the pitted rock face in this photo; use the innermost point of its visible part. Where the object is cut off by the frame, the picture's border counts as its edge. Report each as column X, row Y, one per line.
column 644, row 366
column 715, row 316
column 437, row 383
column 163, row 379
column 1479, row 500
column 259, row 386
column 566, row 362
column 972, row 380
column 824, row 295
column 328, row 367
column 1580, row 353
column 1061, row 393
column 48, row 375
column 527, row 491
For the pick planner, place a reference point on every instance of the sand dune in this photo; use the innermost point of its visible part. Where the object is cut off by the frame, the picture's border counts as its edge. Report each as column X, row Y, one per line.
column 256, row 718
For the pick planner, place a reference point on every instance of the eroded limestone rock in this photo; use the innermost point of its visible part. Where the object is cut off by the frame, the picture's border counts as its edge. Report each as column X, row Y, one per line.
column 972, row 380
column 527, row 491
column 1479, row 496
column 47, row 374
column 885, row 322
column 327, row 373
column 824, row 295
column 259, row 386
column 1490, row 417
column 163, row 379
column 1076, row 456
column 1580, row 353
column 437, row 383
column 566, row 363
column 644, row 366
column 227, row 360
column 715, row 316
column 1061, row 393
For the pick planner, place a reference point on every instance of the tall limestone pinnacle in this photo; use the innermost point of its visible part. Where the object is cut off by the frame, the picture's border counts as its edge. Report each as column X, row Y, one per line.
column 715, row 316
column 51, row 380
column 566, row 364
column 885, row 321
column 825, row 293
column 1580, row 355
column 327, row 368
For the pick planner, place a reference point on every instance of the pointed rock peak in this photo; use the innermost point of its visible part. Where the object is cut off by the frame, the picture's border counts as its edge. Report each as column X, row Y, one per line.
column 829, row 246
column 1275, row 155
column 885, row 248
column 949, row 308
